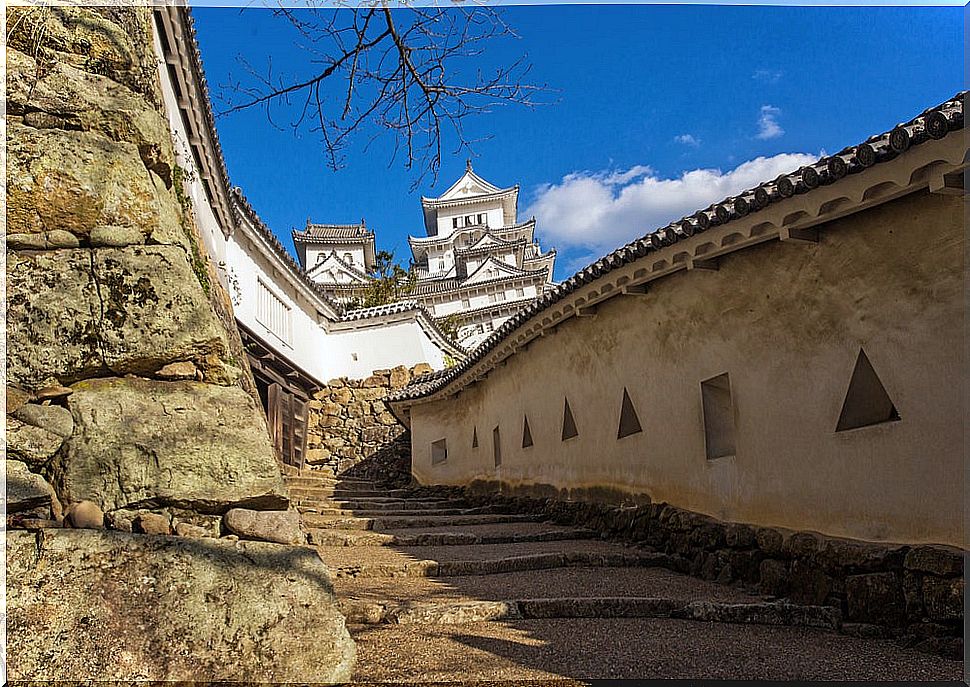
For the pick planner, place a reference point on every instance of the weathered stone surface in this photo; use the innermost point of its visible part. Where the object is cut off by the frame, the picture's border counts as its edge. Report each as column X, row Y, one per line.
column 53, row 393
column 32, row 445
column 54, row 419
column 85, row 515
column 875, row 597
column 943, row 598
column 116, row 237
column 130, row 448
column 770, row 541
column 76, row 313
column 281, row 526
column 76, row 181
column 45, row 240
column 152, row 523
column 114, row 41
column 183, row 370
column 938, row 560
column 399, row 378
column 129, row 607
column 184, row 529
column 27, row 491
column 762, row 614
column 421, row 369
column 16, row 398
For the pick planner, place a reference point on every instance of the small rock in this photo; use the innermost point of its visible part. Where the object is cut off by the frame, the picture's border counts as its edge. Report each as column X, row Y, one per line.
column 184, row 529
column 58, row 238
column 85, row 515
column 55, row 419
column 16, row 398
column 51, row 393
column 421, row 369
column 26, row 241
column 108, row 236
column 337, row 383
column 121, row 520
column 181, row 370
column 400, row 376
column 152, row 523
column 280, row 526
column 774, row 579
column 373, row 381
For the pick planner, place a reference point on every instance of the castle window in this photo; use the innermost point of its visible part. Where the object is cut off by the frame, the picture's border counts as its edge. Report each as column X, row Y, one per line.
column 520, row 292
column 465, row 303
column 718, row 405
column 454, row 222
column 272, row 312
column 469, row 220
column 481, row 218
column 349, row 258
column 439, row 451
column 441, row 265
column 488, row 326
column 500, row 296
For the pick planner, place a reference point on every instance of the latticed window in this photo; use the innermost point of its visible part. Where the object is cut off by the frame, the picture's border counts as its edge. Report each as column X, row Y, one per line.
column 272, row 312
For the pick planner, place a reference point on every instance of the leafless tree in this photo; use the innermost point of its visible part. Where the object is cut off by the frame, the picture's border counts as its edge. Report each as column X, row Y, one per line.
column 401, row 71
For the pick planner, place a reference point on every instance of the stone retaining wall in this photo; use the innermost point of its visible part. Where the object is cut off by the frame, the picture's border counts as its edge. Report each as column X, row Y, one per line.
column 350, row 430
column 910, row 593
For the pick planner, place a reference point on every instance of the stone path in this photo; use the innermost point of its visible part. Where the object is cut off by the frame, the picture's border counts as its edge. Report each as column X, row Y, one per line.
column 434, row 590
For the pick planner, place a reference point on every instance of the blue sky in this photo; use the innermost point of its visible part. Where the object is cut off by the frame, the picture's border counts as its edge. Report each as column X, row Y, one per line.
column 655, row 111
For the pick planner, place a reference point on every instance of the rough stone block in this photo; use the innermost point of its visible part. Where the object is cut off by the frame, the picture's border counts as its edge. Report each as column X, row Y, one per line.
column 943, row 561
column 27, row 491
column 85, row 515
column 54, row 419
column 943, row 597
column 152, row 523
column 739, row 536
column 770, row 541
column 129, row 448
column 801, row 544
column 282, row 527
column 74, row 313
column 774, row 579
column 30, row 444
column 875, row 598
column 421, row 369
column 170, row 609
column 808, row 583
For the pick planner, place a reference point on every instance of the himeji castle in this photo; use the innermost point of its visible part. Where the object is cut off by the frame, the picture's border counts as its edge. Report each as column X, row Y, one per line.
column 476, row 260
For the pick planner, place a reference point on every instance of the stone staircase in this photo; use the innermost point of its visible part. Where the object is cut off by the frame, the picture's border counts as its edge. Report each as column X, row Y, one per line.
column 434, row 589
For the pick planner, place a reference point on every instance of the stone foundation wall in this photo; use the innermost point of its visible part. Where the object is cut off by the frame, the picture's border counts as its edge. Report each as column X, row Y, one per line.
column 127, row 387
column 910, row 593
column 350, row 430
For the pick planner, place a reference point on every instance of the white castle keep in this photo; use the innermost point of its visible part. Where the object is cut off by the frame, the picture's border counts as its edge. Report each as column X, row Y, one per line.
column 476, row 261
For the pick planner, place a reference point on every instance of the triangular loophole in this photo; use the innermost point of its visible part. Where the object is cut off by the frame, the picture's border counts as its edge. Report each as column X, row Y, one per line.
column 629, row 422
column 526, row 433
column 475, row 437
column 866, row 401
column 568, row 423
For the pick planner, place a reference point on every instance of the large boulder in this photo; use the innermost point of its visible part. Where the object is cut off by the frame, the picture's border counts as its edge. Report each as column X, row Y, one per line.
column 33, row 445
column 148, row 444
column 78, row 313
column 98, row 605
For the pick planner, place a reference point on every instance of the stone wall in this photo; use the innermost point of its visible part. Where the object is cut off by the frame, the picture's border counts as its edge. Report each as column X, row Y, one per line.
column 126, row 383
column 130, row 404
column 351, row 431
column 913, row 594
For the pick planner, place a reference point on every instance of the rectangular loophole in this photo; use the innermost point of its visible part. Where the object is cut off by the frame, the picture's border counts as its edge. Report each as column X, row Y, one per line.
column 497, row 446
column 719, row 432
column 439, row 451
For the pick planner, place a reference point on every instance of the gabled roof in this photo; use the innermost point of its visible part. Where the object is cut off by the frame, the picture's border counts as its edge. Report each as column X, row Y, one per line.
column 504, row 270
column 420, row 244
column 470, row 188
column 743, row 210
column 333, row 260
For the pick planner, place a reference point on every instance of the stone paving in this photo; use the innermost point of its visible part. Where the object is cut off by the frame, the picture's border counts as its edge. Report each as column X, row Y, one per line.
column 434, row 590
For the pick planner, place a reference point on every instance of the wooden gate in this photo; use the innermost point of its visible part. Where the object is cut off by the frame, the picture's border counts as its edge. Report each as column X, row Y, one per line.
column 285, row 392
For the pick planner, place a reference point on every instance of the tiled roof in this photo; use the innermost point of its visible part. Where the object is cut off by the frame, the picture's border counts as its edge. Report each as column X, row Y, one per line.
column 406, row 307
column 331, row 233
column 933, row 123
column 451, row 284
column 343, row 263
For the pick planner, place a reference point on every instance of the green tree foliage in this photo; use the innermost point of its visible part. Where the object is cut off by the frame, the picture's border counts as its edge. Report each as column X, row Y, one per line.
column 389, row 283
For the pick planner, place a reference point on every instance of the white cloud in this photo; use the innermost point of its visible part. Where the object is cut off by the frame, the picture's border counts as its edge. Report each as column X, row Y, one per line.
column 768, row 126
column 688, row 140
column 769, row 76
column 591, row 213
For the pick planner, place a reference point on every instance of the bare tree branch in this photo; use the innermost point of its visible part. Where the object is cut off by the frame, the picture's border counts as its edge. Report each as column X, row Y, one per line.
column 406, row 73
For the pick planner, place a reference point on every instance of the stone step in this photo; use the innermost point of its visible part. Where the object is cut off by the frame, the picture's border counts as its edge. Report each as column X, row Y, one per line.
column 353, row 512
column 580, row 582
column 329, row 537
column 390, row 523
column 483, row 559
column 581, row 649
column 430, row 506
column 456, row 612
